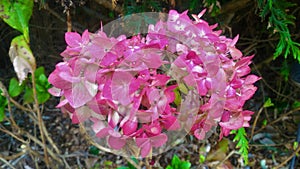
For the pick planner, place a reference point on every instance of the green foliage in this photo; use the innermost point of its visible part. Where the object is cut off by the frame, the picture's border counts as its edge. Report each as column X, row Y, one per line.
column 194, row 4
column 213, row 5
column 296, row 104
column 285, row 70
column 132, row 6
column 268, row 103
column 201, row 158
column 178, row 164
column 14, row 88
column 3, row 104
column 42, row 86
column 129, row 166
column 242, row 143
column 94, row 150
column 17, row 14
column 279, row 20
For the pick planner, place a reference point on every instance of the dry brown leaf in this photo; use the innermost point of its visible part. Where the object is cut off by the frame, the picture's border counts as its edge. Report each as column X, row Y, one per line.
column 21, row 57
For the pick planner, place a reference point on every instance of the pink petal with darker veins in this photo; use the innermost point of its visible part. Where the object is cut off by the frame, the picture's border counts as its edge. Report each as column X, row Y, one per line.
column 116, row 142
column 235, row 122
column 80, row 93
column 120, row 87
column 159, row 140
column 73, row 39
column 144, row 144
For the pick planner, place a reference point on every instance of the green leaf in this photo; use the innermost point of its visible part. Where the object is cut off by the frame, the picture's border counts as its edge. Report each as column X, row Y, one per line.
column 268, row 103
column 2, row 113
column 107, row 163
column 175, row 160
column 183, row 88
column 130, row 165
column 242, row 144
column 123, row 167
column 28, row 96
column 16, row 13
column 177, row 100
column 14, row 88
column 94, row 150
column 42, row 97
column 43, row 80
column 185, row 165
column 296, row 104
column 265, row 122
column 39, row 71
column 202, row 158
column 40, row 88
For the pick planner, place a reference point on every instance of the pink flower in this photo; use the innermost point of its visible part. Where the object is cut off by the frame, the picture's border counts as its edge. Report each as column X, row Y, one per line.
column 182, row 75
column 151, row 137
column 75, row 43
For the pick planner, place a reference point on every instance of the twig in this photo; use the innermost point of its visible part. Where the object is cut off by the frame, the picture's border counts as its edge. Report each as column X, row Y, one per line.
column 69, row 21
column 50, row 140
column 18, row 105
column 107, row 4
column 52, row 12
column 278, row 119
column 13, row 135
column 66, row 163
column 227, row 157
column 14, row 156
column 90, row 140
column 40, row 120
column 11, row 117
column 255, row 121
column 288, row 159
column 7, row 163
column 51, row 153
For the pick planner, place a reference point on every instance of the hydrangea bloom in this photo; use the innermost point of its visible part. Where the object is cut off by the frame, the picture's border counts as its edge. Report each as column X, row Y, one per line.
column 181, row 75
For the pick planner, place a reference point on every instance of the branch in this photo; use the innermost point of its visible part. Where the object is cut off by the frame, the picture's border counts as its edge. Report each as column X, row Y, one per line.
column 109, row 5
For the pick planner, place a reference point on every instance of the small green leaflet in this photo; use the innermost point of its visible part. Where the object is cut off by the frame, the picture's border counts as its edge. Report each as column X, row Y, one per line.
column 42, row 86
column 17, row 14
column 268, row 103
column 3, row 103
column 242, row 143
column 178, row 164
column 14, row 88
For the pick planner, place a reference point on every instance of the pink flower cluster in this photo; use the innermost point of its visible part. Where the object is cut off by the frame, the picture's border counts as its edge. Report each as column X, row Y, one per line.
column 127, row 87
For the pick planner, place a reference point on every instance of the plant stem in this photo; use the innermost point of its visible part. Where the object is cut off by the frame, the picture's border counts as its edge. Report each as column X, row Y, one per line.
column 40, row 120
column 288, row 159
column 91, row 141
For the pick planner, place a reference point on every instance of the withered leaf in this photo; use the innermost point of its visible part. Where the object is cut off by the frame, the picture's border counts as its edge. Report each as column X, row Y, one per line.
column 22, row 58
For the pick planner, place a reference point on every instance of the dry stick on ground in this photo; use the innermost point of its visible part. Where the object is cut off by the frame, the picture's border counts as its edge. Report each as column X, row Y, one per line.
column 227, row 157
column 7, row 163
column 288, row 159
column 22, row 132
column 14, row 156
column 278, row 119
column 18, row 105
column 12, row 135
column 255, row 121
column 51, row 153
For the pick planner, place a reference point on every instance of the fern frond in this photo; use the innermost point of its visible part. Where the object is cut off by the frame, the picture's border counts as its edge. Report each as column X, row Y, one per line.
column 242, row 143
